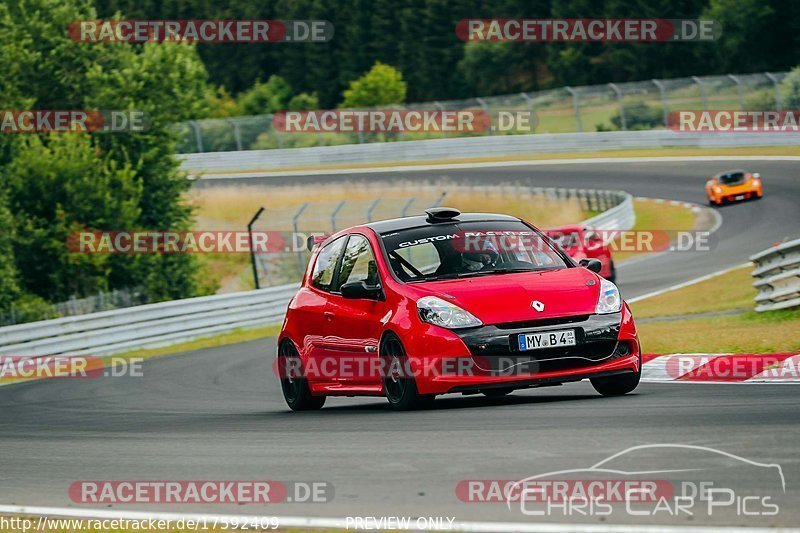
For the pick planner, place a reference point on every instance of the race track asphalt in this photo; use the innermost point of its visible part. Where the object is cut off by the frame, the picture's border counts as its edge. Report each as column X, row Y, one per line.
column 218, row 413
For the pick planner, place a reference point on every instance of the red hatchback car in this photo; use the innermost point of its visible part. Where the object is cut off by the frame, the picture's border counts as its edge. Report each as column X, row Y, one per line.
column 583, row 243
column 420, row 306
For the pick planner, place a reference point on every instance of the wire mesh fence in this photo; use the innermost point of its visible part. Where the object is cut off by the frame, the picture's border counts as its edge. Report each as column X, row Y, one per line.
column 102, row 301
column 610, row 107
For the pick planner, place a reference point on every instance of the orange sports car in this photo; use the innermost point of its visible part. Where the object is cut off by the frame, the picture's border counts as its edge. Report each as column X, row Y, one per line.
column 732, row 186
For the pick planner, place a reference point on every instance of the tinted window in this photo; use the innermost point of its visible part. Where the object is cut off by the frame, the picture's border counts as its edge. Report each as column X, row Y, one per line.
column 468, row 248
column 326, row 264
column 730, row 179
column 358, row 263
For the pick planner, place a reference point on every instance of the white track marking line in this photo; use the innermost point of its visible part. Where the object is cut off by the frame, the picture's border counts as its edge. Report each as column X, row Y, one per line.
column 343, row 523
column 687, row 283
column 484, row 164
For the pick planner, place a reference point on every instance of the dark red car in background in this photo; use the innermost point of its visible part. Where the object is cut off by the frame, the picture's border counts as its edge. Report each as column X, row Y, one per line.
column 584, row 243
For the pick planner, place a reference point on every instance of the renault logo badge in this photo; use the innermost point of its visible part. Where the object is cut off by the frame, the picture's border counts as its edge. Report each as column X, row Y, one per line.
column 539, row 306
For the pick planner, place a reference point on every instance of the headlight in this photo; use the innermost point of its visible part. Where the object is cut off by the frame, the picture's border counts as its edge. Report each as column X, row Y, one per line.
column 609, row 300
column 438, row 312
column 717, row 190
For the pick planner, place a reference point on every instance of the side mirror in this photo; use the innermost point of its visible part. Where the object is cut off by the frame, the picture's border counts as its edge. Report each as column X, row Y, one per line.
column 359, row 290
column 592, row 264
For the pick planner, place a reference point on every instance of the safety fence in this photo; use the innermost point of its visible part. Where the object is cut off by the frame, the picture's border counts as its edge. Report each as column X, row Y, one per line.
column 777, row 277
column 161, row 324
column 241, row 165
column 641, row 105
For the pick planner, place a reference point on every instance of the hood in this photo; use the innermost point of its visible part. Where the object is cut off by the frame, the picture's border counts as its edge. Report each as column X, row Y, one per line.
column 503, row 298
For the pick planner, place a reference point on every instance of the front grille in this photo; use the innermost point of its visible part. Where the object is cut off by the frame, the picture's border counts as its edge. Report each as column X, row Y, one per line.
column 548, row 359
column 543, row 322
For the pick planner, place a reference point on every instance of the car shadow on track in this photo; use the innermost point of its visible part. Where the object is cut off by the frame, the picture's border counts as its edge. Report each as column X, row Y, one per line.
column 461, row 402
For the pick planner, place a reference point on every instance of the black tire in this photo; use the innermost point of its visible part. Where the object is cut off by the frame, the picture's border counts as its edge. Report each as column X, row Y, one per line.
column 617, row 385
column 296, row 392
column 496, row 393
column 401, row 391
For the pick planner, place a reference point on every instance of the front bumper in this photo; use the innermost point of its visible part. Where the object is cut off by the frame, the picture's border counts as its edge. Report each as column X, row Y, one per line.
column 605, row 345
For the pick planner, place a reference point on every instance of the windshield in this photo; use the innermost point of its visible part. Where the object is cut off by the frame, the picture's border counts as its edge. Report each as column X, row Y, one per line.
column 465, row 249
column 733, row 178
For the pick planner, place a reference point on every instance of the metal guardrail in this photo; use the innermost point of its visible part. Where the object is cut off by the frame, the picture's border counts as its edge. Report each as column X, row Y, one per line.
column 147, row 326
column 162, row 324
column 467, row 147
column 777, row 277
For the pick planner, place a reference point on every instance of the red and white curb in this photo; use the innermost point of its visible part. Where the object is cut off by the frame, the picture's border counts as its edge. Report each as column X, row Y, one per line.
column 722, row 368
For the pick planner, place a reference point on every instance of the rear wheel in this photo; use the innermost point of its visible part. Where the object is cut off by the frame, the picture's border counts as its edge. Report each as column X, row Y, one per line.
column 398, row 385
column 295, row 389
column 496, row 393
column 616, row 385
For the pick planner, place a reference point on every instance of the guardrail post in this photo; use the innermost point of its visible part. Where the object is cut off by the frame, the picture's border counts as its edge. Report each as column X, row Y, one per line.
column 372, row 208
column 485, row 108
column 702, row 87
column 776, row 83
column 616, row 89
column 739, row 90
column 237, row 136
column 529, row 104
column 440, row 107
column 252, row 250
column 577, row 105
column 198, row 138
column 336, row 212
column 407, row 206
column 439, row 200
column 664, row 106
column 295, row 218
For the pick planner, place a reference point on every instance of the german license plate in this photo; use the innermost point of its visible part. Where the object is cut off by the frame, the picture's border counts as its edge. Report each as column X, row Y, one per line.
column 740, row 197
column 547, row 339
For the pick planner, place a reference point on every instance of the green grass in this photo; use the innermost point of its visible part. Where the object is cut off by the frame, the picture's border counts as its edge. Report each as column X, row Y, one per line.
column 750, row 332
column 730, row 291
column 653, row 215
column 745, row 332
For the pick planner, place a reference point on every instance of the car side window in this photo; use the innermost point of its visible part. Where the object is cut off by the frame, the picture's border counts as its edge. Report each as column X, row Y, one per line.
column 322, row 276
column 358, row 263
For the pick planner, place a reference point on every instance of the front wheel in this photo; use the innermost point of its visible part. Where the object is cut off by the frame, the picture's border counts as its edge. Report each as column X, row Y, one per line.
column 616, row 385
column 295, row 388
column 399, row 385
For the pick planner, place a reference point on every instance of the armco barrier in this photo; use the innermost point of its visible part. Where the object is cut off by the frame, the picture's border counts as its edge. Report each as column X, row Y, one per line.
column 777, row 274
column 466, row 147
column 147, row 326
column 161, row 324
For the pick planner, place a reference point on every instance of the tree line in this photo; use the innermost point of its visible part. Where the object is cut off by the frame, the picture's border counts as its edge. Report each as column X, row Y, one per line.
column 417, row 37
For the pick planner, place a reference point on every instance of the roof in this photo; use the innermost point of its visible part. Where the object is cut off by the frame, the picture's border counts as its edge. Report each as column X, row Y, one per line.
column 396, row 224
